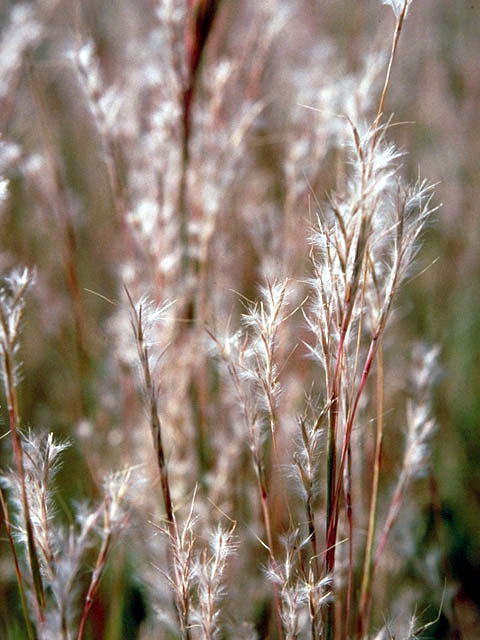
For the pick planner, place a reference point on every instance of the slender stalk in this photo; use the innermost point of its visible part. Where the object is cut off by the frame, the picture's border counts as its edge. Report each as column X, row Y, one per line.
column 335, row 479
column 201, row 18
column 396, row 38
column 313, row 537
column 152, row 395
column 262, row 489
column 138, row 325
column 332, row 438
column 372, row 350
column 348, row 501
column 96, row 576
column 307, row 478
column 332, row 466
column 7, row 348
column 332, row 475
column 386, row 84
column 314, row 622
column 391, row 517
column 18, row 573
column 118, row 597
column 362, row 623
column 349, row 425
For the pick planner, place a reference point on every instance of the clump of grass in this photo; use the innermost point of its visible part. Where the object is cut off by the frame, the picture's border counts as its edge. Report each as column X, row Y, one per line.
column 264, row 479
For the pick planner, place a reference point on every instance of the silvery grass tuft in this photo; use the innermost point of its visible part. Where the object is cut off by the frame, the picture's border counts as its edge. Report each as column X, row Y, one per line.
column 266, row 509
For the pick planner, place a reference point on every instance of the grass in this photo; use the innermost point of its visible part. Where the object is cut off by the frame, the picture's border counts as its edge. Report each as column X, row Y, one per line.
column 221, row 233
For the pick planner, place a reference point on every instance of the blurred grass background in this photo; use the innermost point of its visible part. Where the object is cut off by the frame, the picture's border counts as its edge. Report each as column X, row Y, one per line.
column 75, row 244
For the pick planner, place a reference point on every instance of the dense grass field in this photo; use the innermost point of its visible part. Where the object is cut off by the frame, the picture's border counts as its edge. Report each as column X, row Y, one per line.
column 239, row 327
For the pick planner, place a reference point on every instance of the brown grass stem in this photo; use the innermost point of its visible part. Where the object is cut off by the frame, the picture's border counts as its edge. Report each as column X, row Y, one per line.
column 152, row 398
column 362, row 623
column 332, row 530
column 18, row 573
column 262, row 489
column 96, row 576
column 386, row 84
column 12, row 402
column 350, row 575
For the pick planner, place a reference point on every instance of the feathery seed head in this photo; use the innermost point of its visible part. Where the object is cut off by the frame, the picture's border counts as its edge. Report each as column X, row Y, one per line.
column 398, row 6
column 12, row 304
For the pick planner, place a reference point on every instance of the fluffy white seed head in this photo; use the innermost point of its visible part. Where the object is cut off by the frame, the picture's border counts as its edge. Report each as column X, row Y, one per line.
column 398, row 6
